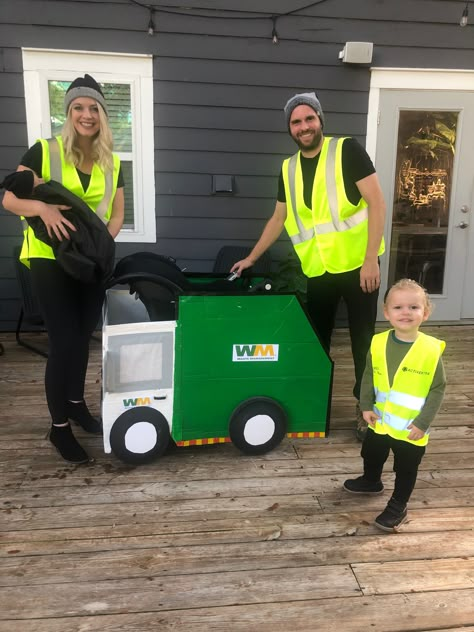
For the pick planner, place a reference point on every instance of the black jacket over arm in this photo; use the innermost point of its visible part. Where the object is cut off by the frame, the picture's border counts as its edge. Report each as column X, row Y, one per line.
column 89, row 254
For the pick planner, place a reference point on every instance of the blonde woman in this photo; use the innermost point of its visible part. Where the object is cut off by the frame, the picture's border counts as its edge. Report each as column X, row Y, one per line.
column 82, row 160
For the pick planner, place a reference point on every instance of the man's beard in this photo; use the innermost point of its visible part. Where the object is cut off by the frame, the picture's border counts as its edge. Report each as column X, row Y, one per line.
column 318, row 135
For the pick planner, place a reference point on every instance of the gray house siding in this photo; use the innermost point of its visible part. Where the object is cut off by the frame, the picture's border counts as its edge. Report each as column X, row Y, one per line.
column 219, row 88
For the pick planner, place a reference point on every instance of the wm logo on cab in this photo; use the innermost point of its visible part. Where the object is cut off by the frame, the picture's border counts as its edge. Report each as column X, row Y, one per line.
column 255, row 353
column 137, row 401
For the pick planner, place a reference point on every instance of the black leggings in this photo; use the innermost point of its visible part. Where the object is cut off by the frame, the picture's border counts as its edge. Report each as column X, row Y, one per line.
column 71, row 310
column 407, row 458
column 324, row 295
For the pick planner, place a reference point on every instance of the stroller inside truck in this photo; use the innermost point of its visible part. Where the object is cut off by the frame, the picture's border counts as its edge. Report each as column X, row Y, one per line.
column 200, row 359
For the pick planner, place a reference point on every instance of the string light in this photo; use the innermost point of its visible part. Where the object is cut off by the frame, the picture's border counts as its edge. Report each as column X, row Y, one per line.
column 465, row 16
column 151, row 23
column 275, row 39
column 187, row 11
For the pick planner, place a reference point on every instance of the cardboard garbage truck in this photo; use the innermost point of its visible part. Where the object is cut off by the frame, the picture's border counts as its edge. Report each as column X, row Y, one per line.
column 201, row 361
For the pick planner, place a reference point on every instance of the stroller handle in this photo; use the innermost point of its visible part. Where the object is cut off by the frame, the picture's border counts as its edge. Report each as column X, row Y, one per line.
column 145, row 276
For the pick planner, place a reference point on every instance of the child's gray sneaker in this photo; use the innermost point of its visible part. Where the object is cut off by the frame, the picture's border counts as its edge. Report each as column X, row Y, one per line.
column 361, row 485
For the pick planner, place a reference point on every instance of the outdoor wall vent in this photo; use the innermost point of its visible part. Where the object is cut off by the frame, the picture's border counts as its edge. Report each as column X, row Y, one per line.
column 223, row 184
column 357, row 53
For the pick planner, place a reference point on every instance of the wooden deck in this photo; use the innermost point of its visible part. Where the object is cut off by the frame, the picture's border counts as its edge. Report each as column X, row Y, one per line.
column 206, row 539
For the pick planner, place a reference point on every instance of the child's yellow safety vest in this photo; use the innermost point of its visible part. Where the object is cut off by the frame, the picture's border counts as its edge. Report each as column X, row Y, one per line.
column 399, row 403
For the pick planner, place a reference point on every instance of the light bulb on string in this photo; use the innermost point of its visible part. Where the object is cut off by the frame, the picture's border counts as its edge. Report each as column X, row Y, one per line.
column 275, row 39
column 151, row 23
column 465, row 16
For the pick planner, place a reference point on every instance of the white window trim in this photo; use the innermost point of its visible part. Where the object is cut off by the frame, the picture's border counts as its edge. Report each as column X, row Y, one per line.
column 409, row 79
column 41, row 65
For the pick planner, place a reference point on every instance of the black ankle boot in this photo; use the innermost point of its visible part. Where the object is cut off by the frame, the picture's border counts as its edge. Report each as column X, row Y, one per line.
column 67, row 446
column 393, row 516
column 361, row 485
column 79, row 413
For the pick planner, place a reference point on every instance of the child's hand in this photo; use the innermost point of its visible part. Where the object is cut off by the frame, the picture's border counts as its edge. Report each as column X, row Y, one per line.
column 370, row 417
column 415, row 433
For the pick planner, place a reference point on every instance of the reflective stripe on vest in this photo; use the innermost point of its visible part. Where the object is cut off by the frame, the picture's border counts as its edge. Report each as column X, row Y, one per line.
column 55, row 166
column 336, row 225
column 400, row 403
column 401, row 399
column 304, row 234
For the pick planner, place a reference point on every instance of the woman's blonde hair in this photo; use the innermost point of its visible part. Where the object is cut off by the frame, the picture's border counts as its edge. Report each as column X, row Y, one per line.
column 102, row 144
column 409, row 284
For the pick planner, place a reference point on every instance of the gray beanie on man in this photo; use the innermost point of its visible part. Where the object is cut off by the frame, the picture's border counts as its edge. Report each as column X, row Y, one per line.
column 304, row 98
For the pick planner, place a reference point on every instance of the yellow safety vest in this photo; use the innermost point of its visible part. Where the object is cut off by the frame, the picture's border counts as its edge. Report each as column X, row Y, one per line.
column 99, row 195
column 400, row 403
column 332, row 235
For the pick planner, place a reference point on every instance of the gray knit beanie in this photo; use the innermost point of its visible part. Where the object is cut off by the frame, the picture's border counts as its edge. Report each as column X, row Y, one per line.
column 304, row 98
column 85, row 86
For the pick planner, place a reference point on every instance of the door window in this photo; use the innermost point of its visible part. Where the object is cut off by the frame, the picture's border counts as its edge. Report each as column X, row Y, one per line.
column 422, row 191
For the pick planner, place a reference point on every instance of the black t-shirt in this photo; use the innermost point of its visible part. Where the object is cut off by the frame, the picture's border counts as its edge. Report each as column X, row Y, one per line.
column 33, row 159
column 356, row 165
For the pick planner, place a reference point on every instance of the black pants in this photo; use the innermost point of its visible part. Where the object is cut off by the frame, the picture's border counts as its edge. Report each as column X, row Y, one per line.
column 407, row 458
column 71, row 311
column 324, row 295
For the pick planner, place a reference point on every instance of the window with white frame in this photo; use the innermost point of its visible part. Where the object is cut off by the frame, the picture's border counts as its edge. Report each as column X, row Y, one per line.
column 127, row 84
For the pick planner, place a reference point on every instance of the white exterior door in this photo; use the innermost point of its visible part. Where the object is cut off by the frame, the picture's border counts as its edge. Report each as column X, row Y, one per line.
column 424, row 156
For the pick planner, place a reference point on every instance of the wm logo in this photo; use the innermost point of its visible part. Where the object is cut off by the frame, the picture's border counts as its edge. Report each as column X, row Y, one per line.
column 138, row 401
column 255, row 353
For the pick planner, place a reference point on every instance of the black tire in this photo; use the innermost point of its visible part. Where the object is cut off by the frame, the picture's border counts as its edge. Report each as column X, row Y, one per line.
column 257, row 425
column 150, row 441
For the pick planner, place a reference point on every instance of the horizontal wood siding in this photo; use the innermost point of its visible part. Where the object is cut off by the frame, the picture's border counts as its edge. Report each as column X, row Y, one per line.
column 219, row 88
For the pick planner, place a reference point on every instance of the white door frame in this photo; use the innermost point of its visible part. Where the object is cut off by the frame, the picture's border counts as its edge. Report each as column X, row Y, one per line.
column 415, row 79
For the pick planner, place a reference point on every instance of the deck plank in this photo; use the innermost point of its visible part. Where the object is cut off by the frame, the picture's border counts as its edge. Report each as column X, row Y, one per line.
column 420, row 575
column 149, row 592
column 381, row 562
column 443, row 610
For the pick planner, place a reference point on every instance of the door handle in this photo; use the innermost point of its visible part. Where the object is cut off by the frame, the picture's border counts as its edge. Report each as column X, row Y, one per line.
column 462, row 225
